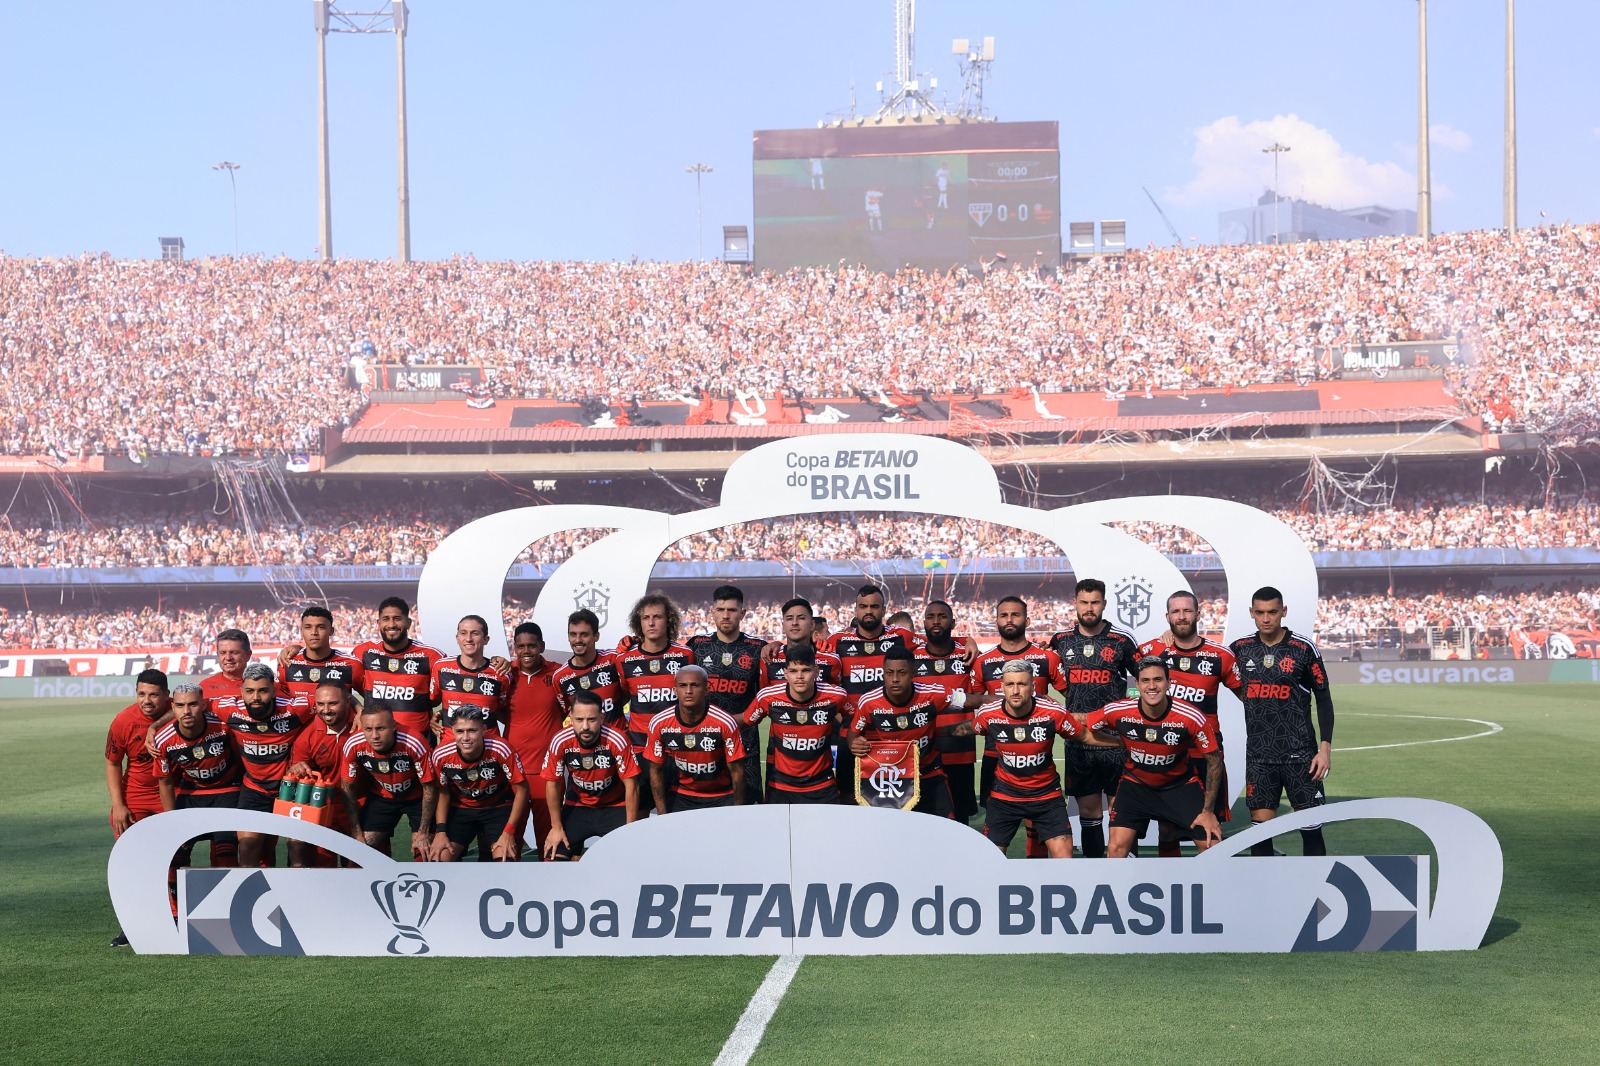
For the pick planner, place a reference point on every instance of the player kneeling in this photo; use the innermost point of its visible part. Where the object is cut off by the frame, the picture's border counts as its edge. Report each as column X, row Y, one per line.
column 1021, row 729
column 1161, row 735
column 483, row 796
column 591, row 781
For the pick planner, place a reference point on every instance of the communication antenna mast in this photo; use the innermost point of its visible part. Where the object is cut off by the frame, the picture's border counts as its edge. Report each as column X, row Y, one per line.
column 906, row 94
column 975, row 60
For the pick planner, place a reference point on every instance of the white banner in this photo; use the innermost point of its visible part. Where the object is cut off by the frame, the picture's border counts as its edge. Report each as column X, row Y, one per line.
column 813, row 880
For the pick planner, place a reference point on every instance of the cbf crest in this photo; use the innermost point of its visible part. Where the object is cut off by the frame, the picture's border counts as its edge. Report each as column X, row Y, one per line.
column 593, row 596
column 1133, row 597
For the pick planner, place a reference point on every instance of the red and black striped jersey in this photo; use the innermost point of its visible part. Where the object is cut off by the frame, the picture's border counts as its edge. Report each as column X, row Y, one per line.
column 590, row 777
column 1279, row 682
column 799, row 734
column 600, row 677
column 400, row 681
column 700, row 753
column 263, row 744
column 862, row 657
column 1196, row 674
column 733, row 669
column 877, row 719
column 1047, row 669
column 203, row 765
column 1025, row 770
column 482, row 690
column 490, row 780
column 1158, row 749
column 398, row 774
column 1098, row 667
column 949, row 673
column 830, row 670
column 301, row 675
column 649, row 681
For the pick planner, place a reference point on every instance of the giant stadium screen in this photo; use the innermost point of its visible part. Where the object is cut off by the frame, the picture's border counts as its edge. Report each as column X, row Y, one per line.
column 885, row 197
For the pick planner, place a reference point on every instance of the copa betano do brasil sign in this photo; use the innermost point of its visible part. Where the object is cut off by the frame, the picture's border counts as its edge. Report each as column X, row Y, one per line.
column 813, row 880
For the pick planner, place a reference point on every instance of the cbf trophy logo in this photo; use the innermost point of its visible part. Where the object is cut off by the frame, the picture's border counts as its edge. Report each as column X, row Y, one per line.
column 594, row 597
column 408, row 902
column 1133, row 596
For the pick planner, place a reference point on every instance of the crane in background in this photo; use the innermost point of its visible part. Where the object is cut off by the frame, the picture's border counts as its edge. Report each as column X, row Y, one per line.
column 1170, row 227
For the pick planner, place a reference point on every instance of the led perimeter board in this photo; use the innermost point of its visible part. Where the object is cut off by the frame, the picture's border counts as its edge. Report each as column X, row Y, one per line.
column 931, row 196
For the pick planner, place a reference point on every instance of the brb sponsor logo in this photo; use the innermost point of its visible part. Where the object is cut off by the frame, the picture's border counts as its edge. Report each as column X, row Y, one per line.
column 848, row 474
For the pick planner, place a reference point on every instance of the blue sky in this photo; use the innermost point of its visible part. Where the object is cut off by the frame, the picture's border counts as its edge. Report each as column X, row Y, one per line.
column 562, row 131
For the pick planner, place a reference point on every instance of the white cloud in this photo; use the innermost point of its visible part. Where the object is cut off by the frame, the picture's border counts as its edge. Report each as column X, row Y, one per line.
column 1443, row 135
column 1231, row 169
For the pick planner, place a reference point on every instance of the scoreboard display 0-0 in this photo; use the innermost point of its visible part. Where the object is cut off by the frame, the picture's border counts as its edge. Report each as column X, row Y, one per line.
column 931, row 196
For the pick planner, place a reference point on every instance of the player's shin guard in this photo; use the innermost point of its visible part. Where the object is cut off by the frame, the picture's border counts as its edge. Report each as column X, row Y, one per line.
column 1036, row 848
column 1169, row 849
column 1094, row 837
column 1311, row 842
column 1262, row 849
column 225, row 854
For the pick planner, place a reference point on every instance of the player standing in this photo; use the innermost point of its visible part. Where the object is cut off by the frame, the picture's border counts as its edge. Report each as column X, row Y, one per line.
column 1282, row 672
column 591, row 781
column 131, row 776
column 264, row 725
column 874, row 206
column 1160, row 736
column 800, row 627
column 483, row 795
column 942, row 177
column 1198, row 668
column 732, row 662
column 388, row 774
column 1099, row 659
column 861, row 649
column 397, row 672
column 469, row 683
column 702, row 745
column 648, row 668
column 319, row 749
column 819, row 181
column 903, row 711
column 304, row 666
column 940, row 661
column 533, row 716
column 588, row 670
column 804, row 718
column 197, row 766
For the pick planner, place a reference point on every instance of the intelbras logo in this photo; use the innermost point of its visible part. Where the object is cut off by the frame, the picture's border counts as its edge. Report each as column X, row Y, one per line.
column 855, row 474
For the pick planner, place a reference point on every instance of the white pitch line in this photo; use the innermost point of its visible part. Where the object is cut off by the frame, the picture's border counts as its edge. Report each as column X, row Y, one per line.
column 746, row 1036
column 1494, row 727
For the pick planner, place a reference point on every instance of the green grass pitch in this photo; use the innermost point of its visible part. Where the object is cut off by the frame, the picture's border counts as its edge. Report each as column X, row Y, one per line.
column 1527, row 996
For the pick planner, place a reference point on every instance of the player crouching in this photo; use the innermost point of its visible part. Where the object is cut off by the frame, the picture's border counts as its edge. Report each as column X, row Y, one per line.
column 483, row 796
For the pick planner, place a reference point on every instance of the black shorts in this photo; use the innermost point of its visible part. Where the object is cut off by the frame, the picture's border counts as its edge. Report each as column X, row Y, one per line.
column 1221, row 808
column 960, row 776
column 1049, row 818
column 935, row 798
column 1266, row 782
column 380, row 814
column 830, row 794
column 986, row 776
column 1091, row 770
column 484, row 824
column 750, row 737
column 583, row 824
column 191, row 801
column 253, row 799
column 1136, row 804
column 678, row 801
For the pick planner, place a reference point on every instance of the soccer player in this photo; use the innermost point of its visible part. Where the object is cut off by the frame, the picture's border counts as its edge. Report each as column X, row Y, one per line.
column 1099, row 659
column 805, row 719
column 899, row 620
column 819, row 181
column 197, row 765
column 861, row 650
column 800, row 627
column 1160, row 735
column 873, row 202
column 264, row 725
column 588, row 670
column 534, row 715
column 939, row 661
column 647, row 669
column 904, row 711
column 397, row 672
column 304, row 666
column 703, row 746
column 591, row 781
column 469, row 683
column 1198, row 668
column 1020, row 726
column 1282, row 673
column 130, row 766
column 942, row 177
column 319, row 749
column 732, row 662
column 396, row 768
column 483, row 795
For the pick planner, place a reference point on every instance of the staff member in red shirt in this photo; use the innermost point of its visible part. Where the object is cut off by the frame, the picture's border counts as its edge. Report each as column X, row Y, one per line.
column 130, row 768
column 534, row 716
column 319, row 749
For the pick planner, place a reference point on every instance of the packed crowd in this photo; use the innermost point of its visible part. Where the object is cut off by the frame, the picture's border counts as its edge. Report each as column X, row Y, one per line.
column 1341, row 619
column 355, row 533
column 255, row 355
